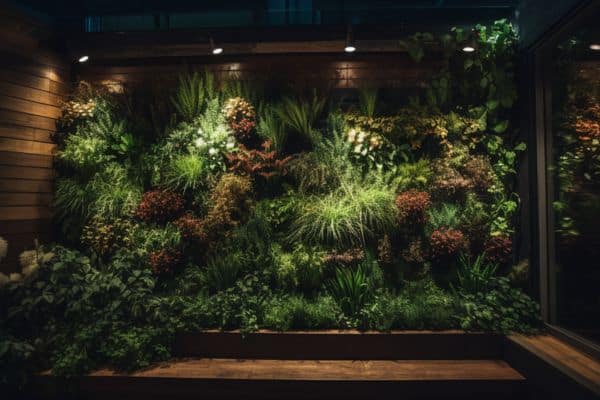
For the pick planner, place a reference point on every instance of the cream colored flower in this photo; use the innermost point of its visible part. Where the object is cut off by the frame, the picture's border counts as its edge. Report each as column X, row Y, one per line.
column 15, row 277
column 28, row 270
column 27, row 258
column 212, row 151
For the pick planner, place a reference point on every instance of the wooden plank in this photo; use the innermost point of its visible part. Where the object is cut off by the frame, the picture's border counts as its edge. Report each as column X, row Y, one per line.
column 25, row 160
column 20, row 77
column 25, row 199
column 25, row 132
column 29, row 120
column 29, row 107
column 15, row 227
column 27, row 93
column 334, row 345
column 25, row 212
column 25, row 186
column 26, row 146
column 329, row 370
column 56, row 73
column 575, row 364
column 27, row 173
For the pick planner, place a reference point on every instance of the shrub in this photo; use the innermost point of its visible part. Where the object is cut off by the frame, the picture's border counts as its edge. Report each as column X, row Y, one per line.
column 449, row 183
column 302, row 268
column 159, row 206
column 412, row 206
column 230, row 201
column 446, row 216
column 164, row 261
column 191, row 228
column 104, row 236
column 501, row 309
column 116, row 194
column 445, row 243
column 498, row 249
column 240, row 116
column 479, row 171
column 296, row 312
column 265, row 163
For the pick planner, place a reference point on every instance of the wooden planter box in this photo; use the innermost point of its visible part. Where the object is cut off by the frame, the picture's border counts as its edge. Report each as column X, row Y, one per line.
column 341, row 345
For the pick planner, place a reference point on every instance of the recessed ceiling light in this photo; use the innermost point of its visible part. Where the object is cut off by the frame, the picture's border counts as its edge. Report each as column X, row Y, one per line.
column 468, row 49
column 595, row 46
column 83, row 59
column 349, row 49
column 217, row 50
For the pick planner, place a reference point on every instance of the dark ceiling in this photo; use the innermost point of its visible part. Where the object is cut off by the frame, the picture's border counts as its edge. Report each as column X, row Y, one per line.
column 143, row 15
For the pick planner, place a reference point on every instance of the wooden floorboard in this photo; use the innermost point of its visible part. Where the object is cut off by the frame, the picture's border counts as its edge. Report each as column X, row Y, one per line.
column 563, row 357
column 327, row 370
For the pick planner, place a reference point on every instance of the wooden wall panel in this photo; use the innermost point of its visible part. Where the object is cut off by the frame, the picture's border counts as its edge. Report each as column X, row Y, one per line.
column 33, row 81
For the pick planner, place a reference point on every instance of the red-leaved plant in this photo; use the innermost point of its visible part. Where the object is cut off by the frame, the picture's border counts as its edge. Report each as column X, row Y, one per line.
column 498, row 249
column 164, row 261
column 446, row 243
column 412, row 206
column 159, row 206
column 264, row 163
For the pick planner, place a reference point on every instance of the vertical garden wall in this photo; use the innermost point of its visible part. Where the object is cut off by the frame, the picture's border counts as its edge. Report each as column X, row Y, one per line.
column 287, row 194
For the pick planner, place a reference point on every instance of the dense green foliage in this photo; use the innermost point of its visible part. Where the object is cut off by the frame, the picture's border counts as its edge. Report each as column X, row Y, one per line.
column 277, row 211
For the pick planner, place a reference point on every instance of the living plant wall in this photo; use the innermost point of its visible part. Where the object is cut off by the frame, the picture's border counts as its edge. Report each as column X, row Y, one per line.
column 237, row 206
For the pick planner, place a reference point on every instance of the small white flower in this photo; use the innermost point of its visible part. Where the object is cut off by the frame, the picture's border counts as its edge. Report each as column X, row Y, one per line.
column 212, row 151
column 230, row 145
column 357, row 148
column 351, row 135
column 15, row 277
column 200, row 131
column 3, row 279
column 361, row 137
column 200, row 142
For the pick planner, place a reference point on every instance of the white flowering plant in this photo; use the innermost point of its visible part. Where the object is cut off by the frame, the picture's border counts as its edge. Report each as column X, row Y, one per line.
column 373, row 151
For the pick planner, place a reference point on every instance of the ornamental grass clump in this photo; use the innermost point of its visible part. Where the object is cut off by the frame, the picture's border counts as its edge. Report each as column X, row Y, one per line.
column 159, row 206
column 412, row 206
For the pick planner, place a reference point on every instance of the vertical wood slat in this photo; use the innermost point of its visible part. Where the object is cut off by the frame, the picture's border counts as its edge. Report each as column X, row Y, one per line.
column 32, row 85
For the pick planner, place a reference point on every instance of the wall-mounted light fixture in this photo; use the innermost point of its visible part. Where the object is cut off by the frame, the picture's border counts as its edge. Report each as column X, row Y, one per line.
column 470, row 45
column 83, row 59
column 349, row 47
column 215, row 49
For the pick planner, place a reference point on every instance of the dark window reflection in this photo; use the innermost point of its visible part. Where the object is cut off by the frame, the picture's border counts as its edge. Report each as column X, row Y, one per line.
column 576, row 172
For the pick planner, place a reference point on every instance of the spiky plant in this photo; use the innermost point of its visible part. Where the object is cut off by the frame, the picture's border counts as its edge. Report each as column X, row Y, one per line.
column 351, row 288
column 271, row 128
column 223, row 270
column 193, row 92
column 446, row 216
column 474, row 276
column 300, row 116
column 368, row 101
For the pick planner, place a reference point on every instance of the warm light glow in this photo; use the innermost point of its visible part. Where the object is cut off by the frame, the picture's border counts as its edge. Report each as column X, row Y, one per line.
column 595, row 46
column 349, row 49
column 83, row 59
column 468, row 49
column 217, row 50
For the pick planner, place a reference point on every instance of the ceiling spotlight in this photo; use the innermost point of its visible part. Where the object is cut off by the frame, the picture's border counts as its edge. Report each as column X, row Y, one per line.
column 595, row 46
column 83, row 59
column 215, row 50
column 468, row 49
column 349, row 47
